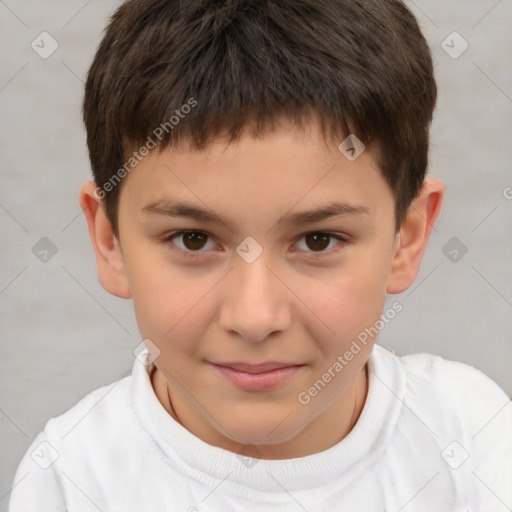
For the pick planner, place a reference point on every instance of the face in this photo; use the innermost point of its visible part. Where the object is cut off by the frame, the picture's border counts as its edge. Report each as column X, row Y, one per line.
column 253, row 266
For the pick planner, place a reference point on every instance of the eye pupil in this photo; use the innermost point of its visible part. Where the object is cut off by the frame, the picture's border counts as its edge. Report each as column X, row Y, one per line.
column 319, row 240
column 194, row 240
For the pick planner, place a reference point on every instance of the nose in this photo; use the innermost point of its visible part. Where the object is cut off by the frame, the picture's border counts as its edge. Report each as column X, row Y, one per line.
column 255, row 304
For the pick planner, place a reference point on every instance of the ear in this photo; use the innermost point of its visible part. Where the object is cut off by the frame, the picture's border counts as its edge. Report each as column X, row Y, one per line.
column 109, row 257
column 411, row 241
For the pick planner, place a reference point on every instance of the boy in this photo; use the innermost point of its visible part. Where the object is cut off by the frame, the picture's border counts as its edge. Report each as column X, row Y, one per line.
column 259, row 187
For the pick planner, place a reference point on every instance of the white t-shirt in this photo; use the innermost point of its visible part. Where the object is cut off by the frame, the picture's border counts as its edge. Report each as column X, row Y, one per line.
column 434, row 435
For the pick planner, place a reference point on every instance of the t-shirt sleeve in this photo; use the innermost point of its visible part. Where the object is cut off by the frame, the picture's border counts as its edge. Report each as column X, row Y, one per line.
column 37, row 483
column 490, row 439
column 472, row 417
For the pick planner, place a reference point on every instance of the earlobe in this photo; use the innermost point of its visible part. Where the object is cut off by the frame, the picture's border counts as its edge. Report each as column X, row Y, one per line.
column 414, row 234
column 109, row 257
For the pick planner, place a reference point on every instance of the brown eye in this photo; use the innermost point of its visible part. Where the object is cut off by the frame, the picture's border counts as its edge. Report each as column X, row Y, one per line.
column 190, row 243
column 321, row 242
column 318, row 241
column 194, row 240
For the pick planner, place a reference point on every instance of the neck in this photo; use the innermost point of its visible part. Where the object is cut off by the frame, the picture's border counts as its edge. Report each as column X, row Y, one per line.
column 315, row 437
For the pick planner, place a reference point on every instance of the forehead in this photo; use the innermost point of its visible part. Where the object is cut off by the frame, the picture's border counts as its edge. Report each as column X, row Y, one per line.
column 287, row 169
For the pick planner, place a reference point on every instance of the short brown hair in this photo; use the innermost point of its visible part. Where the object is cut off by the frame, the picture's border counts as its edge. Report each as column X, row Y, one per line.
column 363, row 66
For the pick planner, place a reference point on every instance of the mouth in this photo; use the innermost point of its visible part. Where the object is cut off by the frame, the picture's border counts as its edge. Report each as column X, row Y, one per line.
column 257, row 377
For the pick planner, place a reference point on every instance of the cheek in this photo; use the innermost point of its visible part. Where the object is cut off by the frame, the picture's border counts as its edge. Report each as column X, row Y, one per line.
column 171, row 307
column 343, row 303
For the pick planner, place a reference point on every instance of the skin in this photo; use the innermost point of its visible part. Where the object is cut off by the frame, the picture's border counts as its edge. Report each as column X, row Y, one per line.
column 302, row 301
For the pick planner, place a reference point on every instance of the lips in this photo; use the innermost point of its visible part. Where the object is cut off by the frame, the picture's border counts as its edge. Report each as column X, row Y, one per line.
column 260, row 377
column 256, row 368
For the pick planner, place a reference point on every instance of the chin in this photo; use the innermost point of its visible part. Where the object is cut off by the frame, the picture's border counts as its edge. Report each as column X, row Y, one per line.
column 265, row 429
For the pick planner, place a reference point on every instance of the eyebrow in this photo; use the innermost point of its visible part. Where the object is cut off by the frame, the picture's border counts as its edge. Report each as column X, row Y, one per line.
column 181, row 209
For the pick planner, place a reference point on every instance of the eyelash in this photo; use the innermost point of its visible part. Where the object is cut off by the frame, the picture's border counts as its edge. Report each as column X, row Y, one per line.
column 314, row 254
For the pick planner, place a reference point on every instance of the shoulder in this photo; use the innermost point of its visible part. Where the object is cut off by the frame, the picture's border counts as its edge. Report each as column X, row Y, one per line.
column 457, row 399
column 69, row 445
column 470, row 422
column 431, row 375
column 97, row 410
column 449, row 395
column 102, row 414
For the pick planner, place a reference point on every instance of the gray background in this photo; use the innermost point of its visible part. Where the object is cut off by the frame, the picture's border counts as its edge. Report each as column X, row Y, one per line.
column 63, row 335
